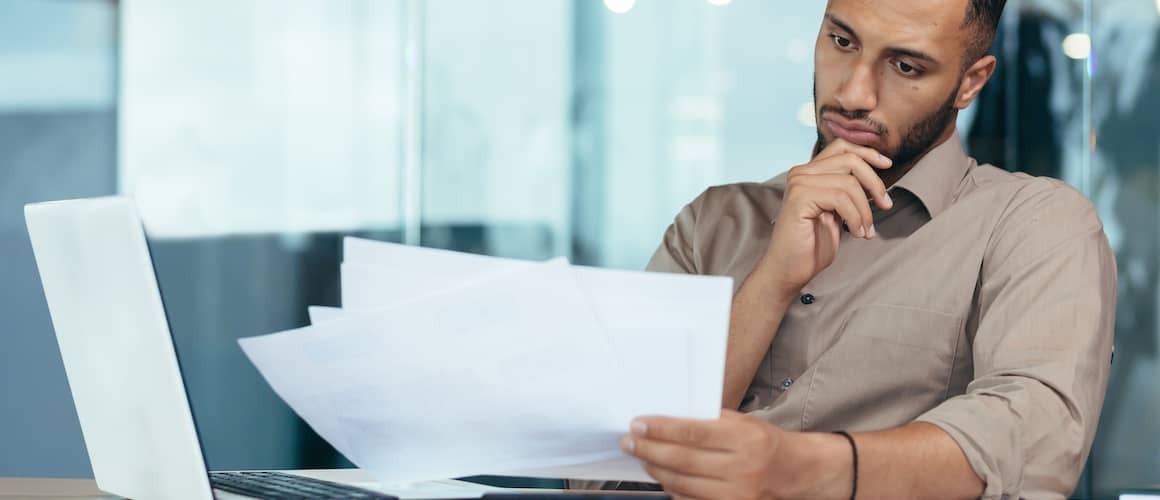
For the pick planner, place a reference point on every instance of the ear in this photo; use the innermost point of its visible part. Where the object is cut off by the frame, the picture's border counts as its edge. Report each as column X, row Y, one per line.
column 974, row 79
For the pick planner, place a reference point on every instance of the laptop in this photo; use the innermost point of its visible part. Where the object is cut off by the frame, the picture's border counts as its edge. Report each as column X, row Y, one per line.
column 124, row 373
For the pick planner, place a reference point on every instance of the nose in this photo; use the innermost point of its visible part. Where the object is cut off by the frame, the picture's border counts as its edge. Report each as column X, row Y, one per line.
column 860, row 90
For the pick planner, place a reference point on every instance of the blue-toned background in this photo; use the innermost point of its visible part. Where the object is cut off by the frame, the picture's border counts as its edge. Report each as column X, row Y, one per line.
column 256, row 133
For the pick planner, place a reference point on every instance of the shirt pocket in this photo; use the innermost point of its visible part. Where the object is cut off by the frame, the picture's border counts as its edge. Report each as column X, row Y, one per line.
column 889, row 365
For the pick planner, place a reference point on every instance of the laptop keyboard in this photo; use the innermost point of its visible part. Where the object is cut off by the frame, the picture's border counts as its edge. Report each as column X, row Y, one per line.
column 279, row 485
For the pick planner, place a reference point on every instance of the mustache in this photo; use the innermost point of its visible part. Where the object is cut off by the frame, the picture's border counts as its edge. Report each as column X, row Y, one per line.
column 857, row 116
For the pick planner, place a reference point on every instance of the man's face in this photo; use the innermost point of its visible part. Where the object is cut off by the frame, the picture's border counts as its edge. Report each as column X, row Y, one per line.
column 887, row 73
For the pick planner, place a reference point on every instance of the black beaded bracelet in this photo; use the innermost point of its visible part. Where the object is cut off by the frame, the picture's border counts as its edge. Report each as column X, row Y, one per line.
column 854, row 448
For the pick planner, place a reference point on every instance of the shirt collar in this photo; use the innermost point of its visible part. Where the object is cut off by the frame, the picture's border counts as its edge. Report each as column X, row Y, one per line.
column 934, row 179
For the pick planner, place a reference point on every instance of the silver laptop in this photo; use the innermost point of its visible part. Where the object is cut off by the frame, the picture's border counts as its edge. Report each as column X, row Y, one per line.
column 123, row 370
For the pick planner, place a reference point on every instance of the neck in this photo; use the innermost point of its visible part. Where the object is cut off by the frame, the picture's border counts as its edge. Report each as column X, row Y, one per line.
column 894, row 174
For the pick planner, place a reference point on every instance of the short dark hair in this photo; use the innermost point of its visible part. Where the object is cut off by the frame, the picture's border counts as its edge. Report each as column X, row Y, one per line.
column 982, row 23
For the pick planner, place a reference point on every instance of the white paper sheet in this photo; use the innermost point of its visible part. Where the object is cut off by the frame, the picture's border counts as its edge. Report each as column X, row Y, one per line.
column 631, row 305
column 478, row 391
column 322, row 314
column 412, row 272
column 443, row 364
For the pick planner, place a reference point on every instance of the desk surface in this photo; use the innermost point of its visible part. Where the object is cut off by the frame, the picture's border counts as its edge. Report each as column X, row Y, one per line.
column 72, row 489
column 18, row 487
column 41, row 488
column 45, row 488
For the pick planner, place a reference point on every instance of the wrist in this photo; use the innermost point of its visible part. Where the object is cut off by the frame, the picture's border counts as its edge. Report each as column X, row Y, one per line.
column 826, row 466
column 769, row 278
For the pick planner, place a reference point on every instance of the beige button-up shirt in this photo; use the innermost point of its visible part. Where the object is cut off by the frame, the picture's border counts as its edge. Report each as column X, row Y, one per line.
column 985, row 306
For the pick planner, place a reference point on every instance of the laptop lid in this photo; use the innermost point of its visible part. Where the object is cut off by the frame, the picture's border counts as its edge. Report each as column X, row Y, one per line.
column 118, row 353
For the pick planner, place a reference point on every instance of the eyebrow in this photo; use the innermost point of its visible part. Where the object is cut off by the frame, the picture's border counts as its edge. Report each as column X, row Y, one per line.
column 893, row 50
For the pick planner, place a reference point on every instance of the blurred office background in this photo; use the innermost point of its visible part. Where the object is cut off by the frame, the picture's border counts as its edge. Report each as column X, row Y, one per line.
column 256, row 133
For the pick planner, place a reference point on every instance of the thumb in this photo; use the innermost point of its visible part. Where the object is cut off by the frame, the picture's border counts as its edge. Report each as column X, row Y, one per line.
column 727, row 414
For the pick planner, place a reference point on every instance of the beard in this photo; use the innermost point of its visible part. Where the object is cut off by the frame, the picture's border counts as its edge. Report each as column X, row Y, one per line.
column 917, row 140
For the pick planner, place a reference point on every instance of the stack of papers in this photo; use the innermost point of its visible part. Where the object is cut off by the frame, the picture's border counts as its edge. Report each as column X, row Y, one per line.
column 442, row 364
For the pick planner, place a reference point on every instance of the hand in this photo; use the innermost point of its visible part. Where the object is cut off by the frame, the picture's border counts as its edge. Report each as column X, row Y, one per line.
column 821, row 194
column 739, row 456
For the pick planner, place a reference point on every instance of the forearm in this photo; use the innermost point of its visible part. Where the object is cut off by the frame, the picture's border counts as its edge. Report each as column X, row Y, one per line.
column 758, row 309
column 918, row 460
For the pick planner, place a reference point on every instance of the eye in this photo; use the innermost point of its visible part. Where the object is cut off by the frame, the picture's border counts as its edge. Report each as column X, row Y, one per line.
column 906, row 69
column 841, row 41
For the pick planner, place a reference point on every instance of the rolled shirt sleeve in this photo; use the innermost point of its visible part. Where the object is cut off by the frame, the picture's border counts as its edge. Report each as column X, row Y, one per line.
column 676, row 252
column 1041, row 348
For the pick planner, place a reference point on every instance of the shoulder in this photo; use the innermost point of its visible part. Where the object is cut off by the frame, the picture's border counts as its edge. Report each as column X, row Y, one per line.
column 1035, row 214
column 1035, row 199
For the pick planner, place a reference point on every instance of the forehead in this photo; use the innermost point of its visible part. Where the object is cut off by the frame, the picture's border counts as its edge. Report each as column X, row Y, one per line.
column 929, row 25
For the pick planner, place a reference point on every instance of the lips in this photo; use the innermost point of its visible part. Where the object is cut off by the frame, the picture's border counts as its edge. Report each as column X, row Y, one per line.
column 851, row 132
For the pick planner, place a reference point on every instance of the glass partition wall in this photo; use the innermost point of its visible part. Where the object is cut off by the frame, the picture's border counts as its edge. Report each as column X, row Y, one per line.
column 255, row 134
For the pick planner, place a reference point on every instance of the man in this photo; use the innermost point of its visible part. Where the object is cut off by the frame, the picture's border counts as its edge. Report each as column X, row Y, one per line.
column 955, row 319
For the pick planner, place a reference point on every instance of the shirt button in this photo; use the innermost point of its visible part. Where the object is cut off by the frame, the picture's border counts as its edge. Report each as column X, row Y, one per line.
column 808, row 299
column 786, row 382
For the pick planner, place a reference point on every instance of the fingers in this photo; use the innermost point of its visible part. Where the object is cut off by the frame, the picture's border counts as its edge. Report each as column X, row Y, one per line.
column 684, row 486
column 856, row 166
column 681, row 458
column 869, row 155
column 829, row 230
column 855, row 213
column 838, row 193
column 707, row 434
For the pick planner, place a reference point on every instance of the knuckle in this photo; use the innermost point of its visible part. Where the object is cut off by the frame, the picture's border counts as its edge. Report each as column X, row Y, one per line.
column 757, row 434
column 643, row 449
column 693, row 434
column 795, row 189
